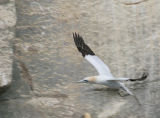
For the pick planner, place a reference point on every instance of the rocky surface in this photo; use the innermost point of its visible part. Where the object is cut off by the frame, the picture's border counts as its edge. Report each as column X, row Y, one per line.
column 125, row 34
column 7, row 24
column 4, row 1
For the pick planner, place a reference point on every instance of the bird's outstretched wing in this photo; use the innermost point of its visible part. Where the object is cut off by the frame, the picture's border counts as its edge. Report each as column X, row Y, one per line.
column 143, row 77
column 90, row 56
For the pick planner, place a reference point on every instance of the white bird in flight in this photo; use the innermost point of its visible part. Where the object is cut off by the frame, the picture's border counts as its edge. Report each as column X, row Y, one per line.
column 105, row 77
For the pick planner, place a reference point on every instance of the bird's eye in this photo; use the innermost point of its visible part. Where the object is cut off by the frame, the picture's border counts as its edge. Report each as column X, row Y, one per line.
column 85, row 80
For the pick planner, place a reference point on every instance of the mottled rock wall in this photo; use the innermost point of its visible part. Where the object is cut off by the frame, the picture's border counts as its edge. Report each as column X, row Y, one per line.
column 125, row 34
column 7, row 24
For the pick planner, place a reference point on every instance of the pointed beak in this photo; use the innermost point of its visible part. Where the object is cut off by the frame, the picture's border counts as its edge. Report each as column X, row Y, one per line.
column 81, row 81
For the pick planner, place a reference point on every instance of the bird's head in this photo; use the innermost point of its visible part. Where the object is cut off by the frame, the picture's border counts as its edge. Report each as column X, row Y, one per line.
column 91, row 80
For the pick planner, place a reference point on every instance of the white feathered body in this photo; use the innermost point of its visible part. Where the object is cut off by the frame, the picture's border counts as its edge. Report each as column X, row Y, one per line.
column 107, row 81
column 110, row 82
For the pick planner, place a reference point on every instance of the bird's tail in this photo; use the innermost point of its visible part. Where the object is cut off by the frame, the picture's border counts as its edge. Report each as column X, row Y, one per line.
column 126, row 89
column 123, row 87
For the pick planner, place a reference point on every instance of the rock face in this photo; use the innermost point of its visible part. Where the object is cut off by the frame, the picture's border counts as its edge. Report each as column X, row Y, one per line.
column 123, row 33
column 7, row 24
column 4, row 1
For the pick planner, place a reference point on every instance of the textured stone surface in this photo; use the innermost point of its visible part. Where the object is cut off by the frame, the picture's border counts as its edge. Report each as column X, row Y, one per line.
column 4, row 1
column 7, row 15
column 125, row 34
column 7, row 24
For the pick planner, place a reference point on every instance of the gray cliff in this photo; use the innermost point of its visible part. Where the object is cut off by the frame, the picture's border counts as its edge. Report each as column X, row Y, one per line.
column 40, row 63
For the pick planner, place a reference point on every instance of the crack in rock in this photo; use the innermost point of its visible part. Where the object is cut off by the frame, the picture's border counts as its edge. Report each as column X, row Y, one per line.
column 25, row 74
column 134, row 3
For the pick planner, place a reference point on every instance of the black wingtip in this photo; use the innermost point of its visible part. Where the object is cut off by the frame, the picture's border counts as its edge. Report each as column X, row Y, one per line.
column 144, row 76
column 81, row 46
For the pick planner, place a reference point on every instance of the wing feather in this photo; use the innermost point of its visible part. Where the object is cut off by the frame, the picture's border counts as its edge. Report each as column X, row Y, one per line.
column 90, row 56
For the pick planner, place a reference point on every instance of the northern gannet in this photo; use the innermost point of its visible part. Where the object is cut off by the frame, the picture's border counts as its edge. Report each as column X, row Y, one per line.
column 105, row 77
